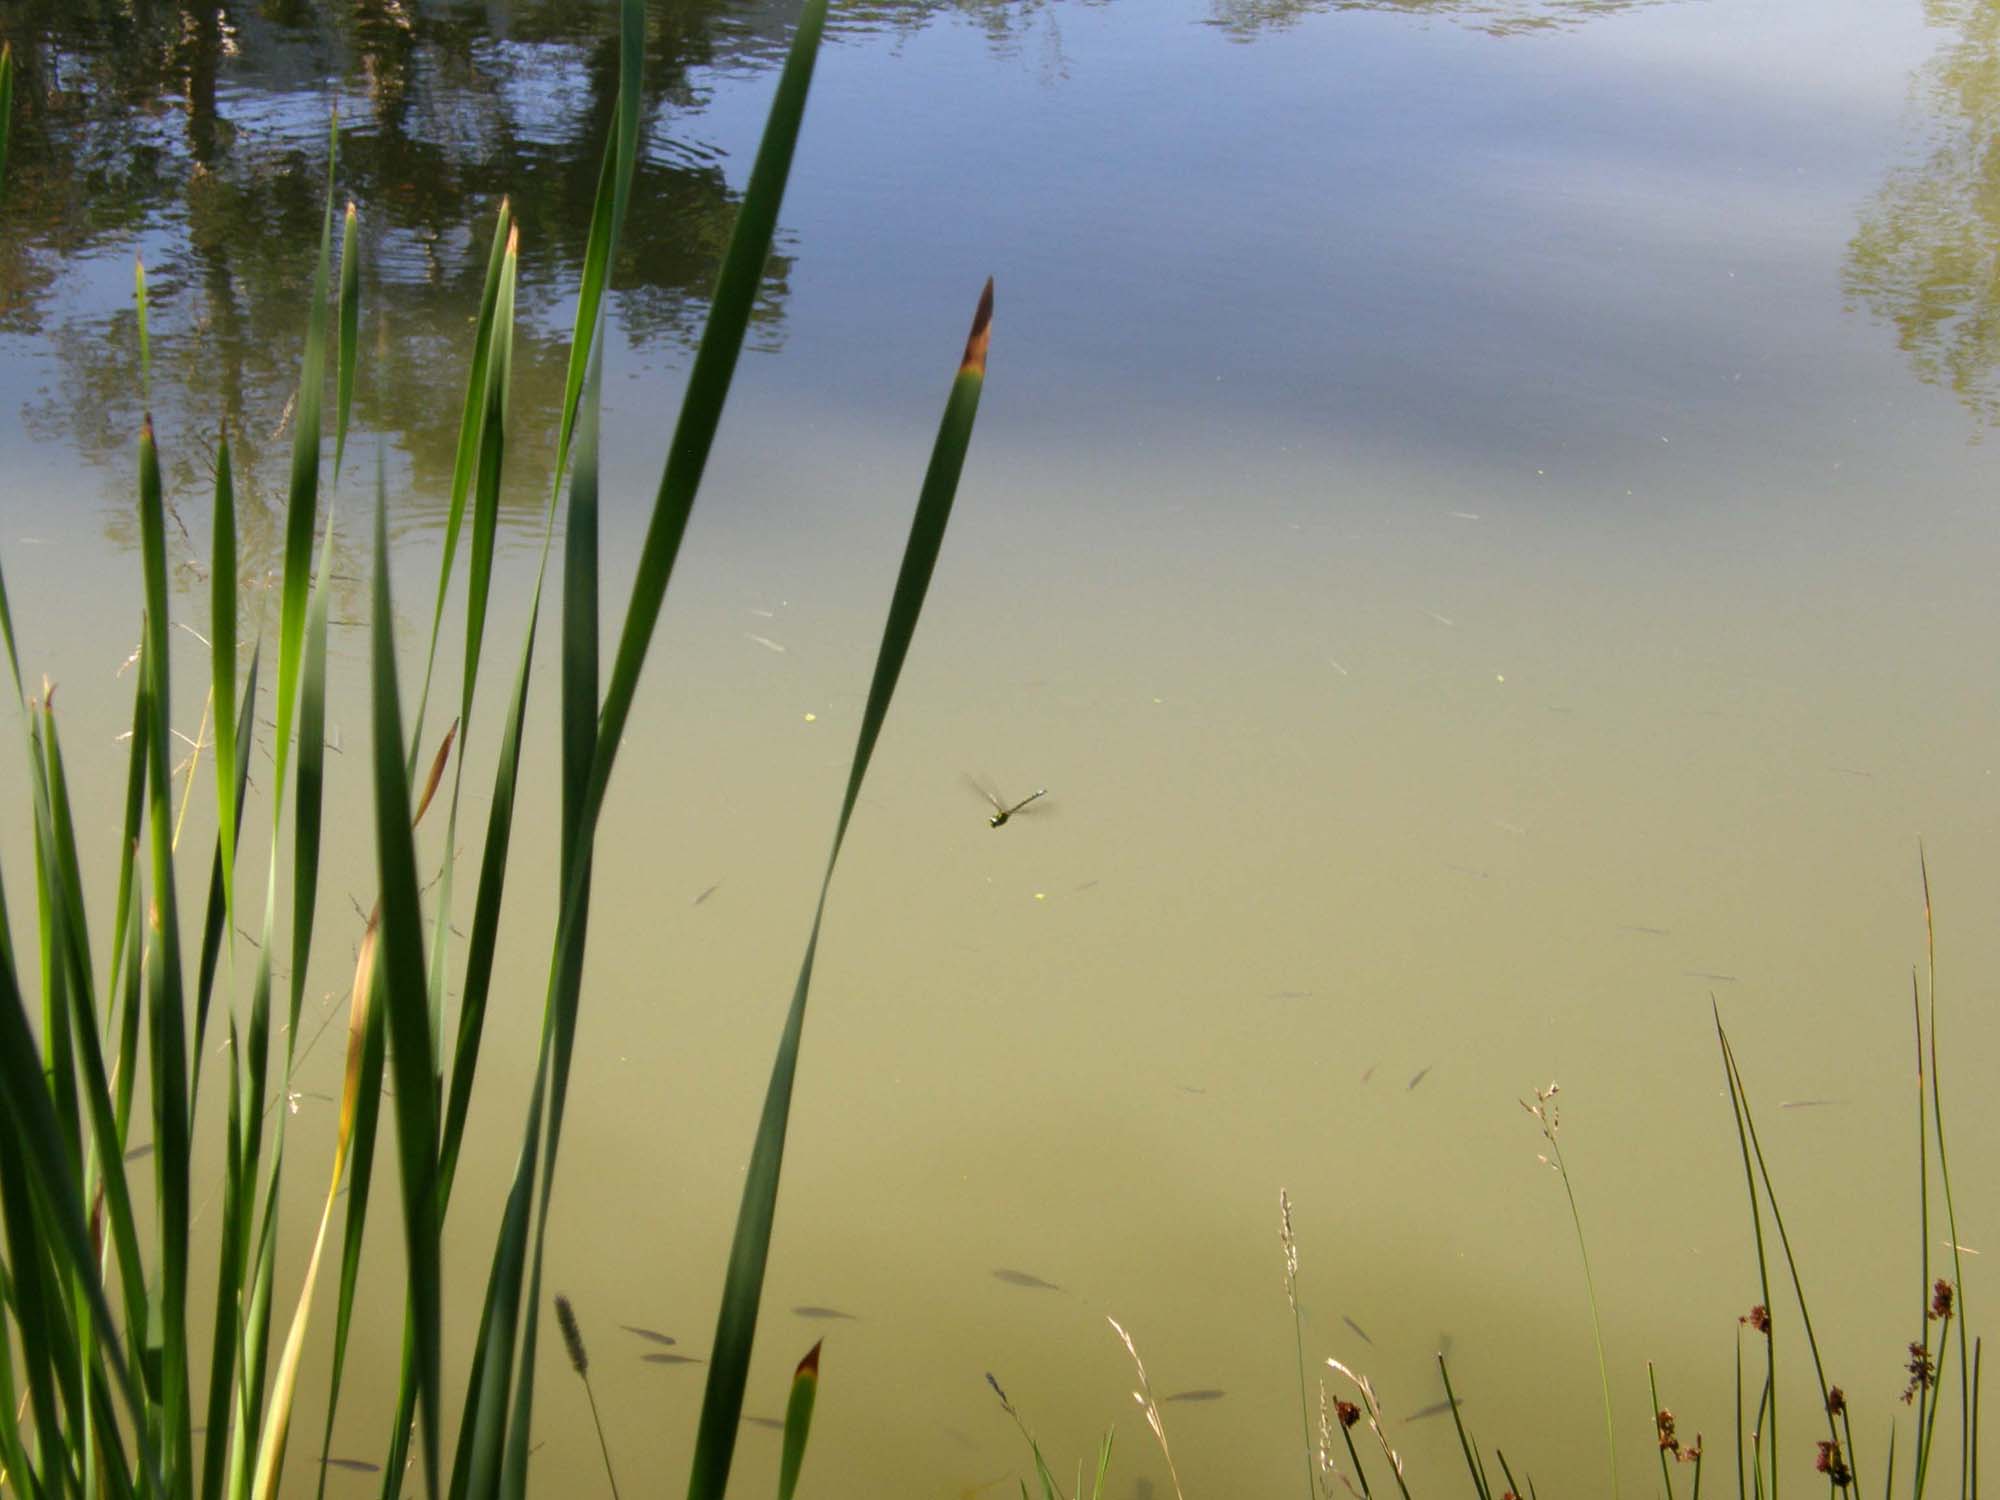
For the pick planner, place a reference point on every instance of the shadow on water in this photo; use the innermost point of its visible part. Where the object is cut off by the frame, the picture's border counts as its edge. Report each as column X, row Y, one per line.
column 1924, row 257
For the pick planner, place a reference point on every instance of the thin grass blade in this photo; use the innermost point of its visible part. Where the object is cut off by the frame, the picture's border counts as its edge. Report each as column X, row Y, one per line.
column 350, row 327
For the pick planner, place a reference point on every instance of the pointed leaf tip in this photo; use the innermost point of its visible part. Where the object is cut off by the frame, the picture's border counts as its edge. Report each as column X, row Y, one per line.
column 974, row 362
column 809, row 1366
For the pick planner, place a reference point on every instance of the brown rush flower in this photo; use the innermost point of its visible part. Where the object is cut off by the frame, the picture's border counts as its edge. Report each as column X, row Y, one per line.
column 1663, row 1420
column 1922, row 1372
column 1691, row 1454
column 1348, row 1413
column 1831, row 1464
column 1759, row 1319
column 1836, row 1401
column 1941, row 1299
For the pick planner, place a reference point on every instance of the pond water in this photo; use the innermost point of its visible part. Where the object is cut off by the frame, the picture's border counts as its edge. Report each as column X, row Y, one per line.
column 1480, row 520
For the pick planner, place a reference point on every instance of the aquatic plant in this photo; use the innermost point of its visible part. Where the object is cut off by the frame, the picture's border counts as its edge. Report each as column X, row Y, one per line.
column 106, row 1395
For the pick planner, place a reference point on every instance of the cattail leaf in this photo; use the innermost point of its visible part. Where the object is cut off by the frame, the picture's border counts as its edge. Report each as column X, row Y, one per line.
column 350, row 327
column 798, row 1422
column 164, row 1001
column 222, row 608
column 466, row 457
column 278, row 1414
column 736, row 1323
column 302, row 499
column 311, row 785
column 213, row 926
column 403, row 999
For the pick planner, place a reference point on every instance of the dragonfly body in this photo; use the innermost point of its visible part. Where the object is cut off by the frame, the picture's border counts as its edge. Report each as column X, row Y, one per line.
column 1002, row 809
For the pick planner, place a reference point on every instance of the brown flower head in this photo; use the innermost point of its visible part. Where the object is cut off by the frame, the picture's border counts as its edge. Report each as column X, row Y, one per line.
column 1348, row 1413
column 1941, row 1295
column 1922, row 1372
column 1759, row 1319
column 1691, row 1453
column 1663, row 1422
column 1836, row 1402
column 1831, row 1464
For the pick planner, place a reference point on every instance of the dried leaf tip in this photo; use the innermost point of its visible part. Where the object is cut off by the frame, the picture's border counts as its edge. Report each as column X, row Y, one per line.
column 974, row 362
column 352, row 211
column 572, row 1335
column 146, row 428
column 513, row 240
column 809, row 1366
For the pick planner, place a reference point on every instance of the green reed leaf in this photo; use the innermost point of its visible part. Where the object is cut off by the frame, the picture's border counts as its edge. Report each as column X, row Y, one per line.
column 403, row 998
column 798, row 1423
column 736, row 1324
column 222, row 610
column 350, row 327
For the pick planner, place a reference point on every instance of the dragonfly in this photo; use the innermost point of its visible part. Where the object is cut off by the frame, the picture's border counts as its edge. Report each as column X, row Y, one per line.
column 1002, row 811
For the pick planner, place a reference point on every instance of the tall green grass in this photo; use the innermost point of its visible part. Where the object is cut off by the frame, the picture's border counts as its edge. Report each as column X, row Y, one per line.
column 103, row 1400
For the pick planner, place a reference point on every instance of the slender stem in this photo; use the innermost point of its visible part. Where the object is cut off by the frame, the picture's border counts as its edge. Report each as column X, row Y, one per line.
column 603, row 1446
column 1596, row 1322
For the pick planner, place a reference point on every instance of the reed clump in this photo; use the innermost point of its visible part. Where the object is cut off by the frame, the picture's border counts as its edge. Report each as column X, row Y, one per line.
column 111, row 1387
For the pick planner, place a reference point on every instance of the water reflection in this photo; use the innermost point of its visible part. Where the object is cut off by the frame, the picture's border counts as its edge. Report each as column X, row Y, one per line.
column 198, row 134
column 1246, row 19
column 1924, row 256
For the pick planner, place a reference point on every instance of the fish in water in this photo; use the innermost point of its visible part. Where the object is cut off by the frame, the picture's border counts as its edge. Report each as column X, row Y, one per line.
column 1805, row 1103
column 1369, row 1071
column 1419, row 1076
column 1435, row 1409
column 1360, row 1332
column 139, row 1151
column 357, row 1465
column 771, row 1422
column 1204, row 1393
column 1641, row 928
column 670, row 1359
column 706, row 894
column 650, row 1335
column 810, row 1311
column 1710, row 974
column 1023, row 1278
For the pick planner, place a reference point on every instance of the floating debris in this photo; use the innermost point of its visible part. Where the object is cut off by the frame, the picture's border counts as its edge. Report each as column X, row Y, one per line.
column 1023, row 1278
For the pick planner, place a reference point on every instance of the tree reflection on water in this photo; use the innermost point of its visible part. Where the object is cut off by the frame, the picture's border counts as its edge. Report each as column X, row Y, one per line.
column 197, row 133
column 1927, row 254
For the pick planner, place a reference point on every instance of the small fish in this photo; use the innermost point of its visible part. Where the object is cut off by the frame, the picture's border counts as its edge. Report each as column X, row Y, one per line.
column 357, row 1465
column 1188, row 1088
column 810, row 1311
column 651, row 1335
column 1290, row 995
column 1465, row 515
column 1805, row 1103
column 768, row 644
column 671, row 1359
column 1710, row 974
column 771, row 1422
column 1088, row 885
column 1435, row 1409
column 137, row 1152
column 706, row 894
column 1359, row 1331
column 1641, row 928
column 1419, row 1076
column 1855, row 771
column 1204, row 1393
column 1950, row 1246
column 1469, row 870
column 1369, row 1071
column 1338, row 667
column 1441, row 619
column 1022, row 1278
